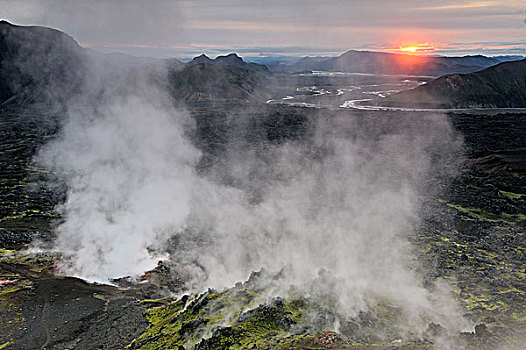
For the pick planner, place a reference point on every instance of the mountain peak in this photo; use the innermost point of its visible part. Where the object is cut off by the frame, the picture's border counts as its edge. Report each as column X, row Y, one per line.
column 202, row 58
column 233, row 58
column 232, row 55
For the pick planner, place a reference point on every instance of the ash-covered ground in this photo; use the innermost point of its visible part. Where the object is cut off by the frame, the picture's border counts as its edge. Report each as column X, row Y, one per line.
column 469, row 241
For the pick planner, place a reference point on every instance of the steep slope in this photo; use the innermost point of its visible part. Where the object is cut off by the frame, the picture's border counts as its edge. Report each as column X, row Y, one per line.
column 32, row 58
column 390, row 63
column 502, row 86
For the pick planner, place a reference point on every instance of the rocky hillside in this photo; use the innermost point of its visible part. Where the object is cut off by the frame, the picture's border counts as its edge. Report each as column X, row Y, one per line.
column 229, row 60
column 390, row 63
column 38, row 64
column 208, row 82
column 502, row 86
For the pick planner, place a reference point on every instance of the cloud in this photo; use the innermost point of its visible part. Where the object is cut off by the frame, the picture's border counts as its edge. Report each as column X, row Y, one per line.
column 123, row 21
column 168, row 28
column 466, row 5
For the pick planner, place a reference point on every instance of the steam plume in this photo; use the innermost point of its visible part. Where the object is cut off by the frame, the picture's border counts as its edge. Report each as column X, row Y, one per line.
column 129, row 171
column 342, row 201
column 342, row 198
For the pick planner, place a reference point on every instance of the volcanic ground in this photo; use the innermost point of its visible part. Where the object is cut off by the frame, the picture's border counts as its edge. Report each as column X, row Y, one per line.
column 471, row 235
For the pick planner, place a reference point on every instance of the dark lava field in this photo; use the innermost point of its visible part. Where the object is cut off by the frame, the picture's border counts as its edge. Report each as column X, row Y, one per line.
column 471, row 234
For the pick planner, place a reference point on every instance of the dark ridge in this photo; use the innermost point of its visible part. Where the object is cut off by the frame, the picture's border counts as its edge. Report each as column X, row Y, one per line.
column 209, row 82
column 500, row 86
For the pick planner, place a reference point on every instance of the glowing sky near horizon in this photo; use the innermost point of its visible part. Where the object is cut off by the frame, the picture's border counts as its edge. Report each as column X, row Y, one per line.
column 163, row 28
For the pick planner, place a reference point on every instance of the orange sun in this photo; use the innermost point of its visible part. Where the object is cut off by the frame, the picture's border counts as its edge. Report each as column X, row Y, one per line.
column 415, row 48
column 412, row 49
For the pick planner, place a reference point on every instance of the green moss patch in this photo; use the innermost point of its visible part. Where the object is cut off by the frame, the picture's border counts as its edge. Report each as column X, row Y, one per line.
column 482, row 215
column 230, row 319
column 511, row 195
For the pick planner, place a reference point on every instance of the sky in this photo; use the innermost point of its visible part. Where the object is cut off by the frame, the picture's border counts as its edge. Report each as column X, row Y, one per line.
column 186, row 28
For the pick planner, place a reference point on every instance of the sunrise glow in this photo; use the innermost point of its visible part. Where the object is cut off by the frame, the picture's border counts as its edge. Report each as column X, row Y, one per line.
column 409, row 49
column 414, row 48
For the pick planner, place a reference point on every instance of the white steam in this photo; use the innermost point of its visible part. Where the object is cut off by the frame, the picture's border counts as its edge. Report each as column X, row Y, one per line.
column 345, row 203
column 130, row 177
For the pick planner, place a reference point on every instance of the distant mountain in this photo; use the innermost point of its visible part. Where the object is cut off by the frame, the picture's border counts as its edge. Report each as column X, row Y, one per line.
column 391, row 63
column 508, row 58
column 500, row 86
column 44, row 65
column 200, row 82
column 273, row 60
column 229, row 60
column 312, row 60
